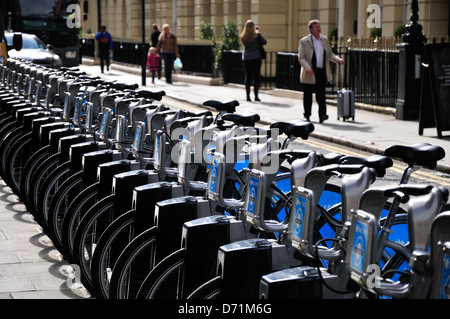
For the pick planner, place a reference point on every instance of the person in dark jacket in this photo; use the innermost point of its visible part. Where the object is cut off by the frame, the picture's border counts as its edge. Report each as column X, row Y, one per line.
column 154, row 37
column 251, row 39
column 105, row 44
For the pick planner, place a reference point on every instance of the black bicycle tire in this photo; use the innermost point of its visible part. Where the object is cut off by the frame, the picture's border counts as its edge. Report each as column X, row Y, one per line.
column 82, row 233
column 53, row 215
column 30, row 166
column 108, row 236
column 37, row 178
column 209, row 290
column 5, row 146
column 22, row 148
column 73, row 212
column 8, row 128
column 58, row 175
column 163, row 269
column 128, row 255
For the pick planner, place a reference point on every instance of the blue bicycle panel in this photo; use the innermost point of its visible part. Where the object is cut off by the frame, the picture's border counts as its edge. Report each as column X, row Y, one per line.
column 328, row 200
column 445, row 279
column 241, row 163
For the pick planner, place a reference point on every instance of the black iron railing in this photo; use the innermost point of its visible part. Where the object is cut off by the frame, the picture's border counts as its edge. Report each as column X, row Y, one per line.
column 197, row 59
column 233, row 68
column 88, row 47
column 371, row 74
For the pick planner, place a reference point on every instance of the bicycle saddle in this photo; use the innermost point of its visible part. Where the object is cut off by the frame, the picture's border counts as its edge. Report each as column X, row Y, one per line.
column 228, row 107
column 422, row 154
column 378, row 162
column 150, row 94
column 199, row 114
column 247, row 119
column 298, row 129
column 123, row 86
column 287, row 154
column 329, row 158
column 75, row 73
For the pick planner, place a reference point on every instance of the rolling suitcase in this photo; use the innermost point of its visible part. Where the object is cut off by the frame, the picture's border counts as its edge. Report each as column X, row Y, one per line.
column 346, row 104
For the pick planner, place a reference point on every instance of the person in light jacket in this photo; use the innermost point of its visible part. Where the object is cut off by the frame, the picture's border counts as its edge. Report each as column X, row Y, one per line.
column 168, row 47
column 314, row 52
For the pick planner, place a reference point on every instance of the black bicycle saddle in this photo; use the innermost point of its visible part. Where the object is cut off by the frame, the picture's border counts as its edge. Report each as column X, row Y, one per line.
column 298, row 129
column 423, row 154
column 229, row 106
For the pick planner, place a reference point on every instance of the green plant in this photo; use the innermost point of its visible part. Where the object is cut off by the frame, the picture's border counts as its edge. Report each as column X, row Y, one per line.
column 229, row 40
column 376, row 33
column 333, row 33
column 207, row 32
column 230, row 36
column 400, row 31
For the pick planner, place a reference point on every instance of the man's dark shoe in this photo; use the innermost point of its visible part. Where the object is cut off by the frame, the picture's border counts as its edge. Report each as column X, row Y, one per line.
column 323, row 118
column 306, row 119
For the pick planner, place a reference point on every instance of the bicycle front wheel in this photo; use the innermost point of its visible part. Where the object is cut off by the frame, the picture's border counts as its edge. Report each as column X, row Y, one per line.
column 87, row 235
column 59, row 204
column 209, row 290
column 111, row 243
column 16, row 159
column 165, row 280
column 133, row 265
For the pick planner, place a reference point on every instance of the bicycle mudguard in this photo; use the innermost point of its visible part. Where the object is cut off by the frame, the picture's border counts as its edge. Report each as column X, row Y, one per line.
column 302, row 283
column 242, row 264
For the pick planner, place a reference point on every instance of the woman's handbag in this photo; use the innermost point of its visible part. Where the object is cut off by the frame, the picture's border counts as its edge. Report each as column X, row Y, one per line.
column 262, row 52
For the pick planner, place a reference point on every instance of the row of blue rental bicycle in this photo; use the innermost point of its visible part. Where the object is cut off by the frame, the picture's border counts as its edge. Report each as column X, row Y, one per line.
column 148, row 201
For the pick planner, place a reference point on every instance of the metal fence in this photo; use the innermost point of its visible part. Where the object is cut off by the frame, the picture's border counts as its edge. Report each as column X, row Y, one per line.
column 197, row 59
column 233, row 68
column 370, row 70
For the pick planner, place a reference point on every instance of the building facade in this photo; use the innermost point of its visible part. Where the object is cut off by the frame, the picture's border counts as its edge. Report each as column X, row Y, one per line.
column 283, row 22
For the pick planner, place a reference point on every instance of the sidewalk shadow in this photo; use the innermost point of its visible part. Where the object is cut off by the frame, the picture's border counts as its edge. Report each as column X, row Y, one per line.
column 274, row 104
column 41, row 240
column 347, row 126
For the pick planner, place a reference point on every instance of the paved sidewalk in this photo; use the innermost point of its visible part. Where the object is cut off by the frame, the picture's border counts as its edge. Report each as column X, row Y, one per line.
column 30, row 266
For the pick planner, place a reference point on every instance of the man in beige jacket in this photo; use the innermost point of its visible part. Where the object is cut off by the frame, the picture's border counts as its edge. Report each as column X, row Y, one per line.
column 314, row 51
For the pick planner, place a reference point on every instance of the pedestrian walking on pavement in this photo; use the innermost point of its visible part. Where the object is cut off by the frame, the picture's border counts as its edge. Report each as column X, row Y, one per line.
column 252, row 39
column 154, row 37
column 314, row 52
column 153, row 60
column 168, row 47
column 105, row 44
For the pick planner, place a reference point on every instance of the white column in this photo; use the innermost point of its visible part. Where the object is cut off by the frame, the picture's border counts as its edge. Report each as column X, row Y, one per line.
column 341, row 8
